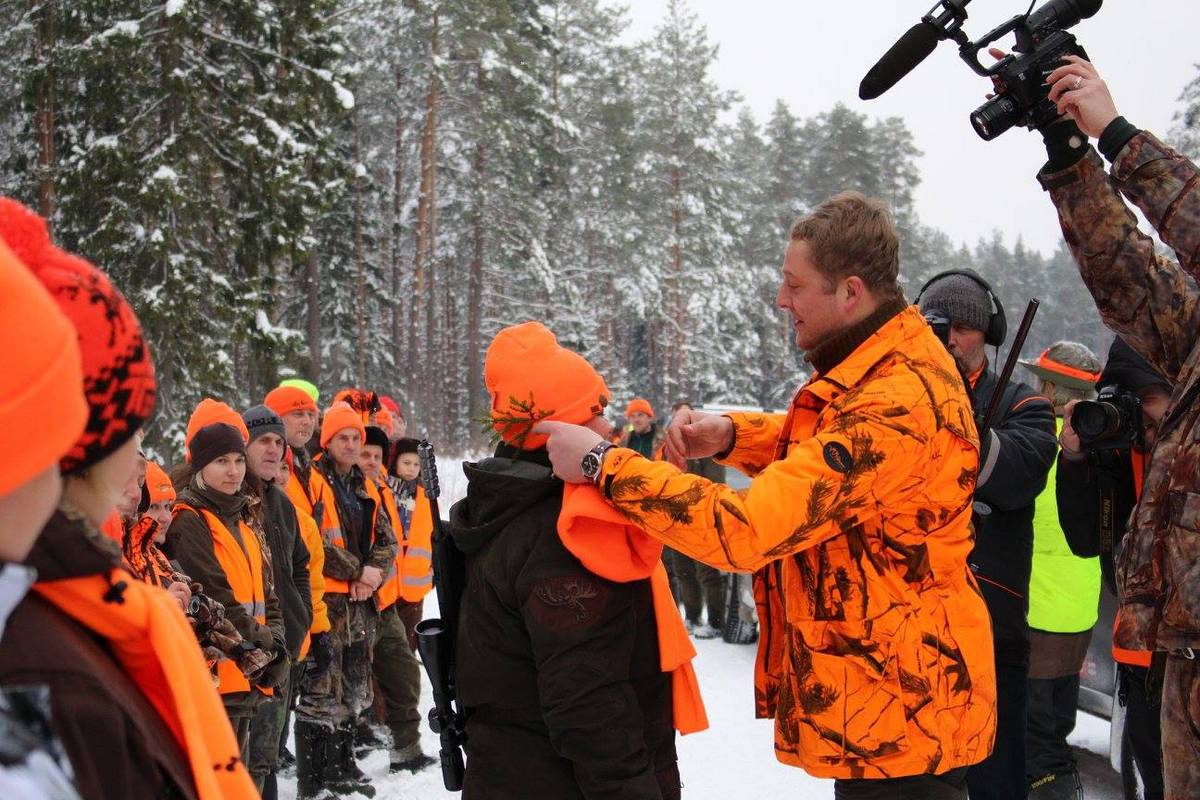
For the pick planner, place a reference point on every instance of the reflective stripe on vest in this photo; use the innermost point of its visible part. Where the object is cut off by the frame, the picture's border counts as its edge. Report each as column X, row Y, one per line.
column 242, row 565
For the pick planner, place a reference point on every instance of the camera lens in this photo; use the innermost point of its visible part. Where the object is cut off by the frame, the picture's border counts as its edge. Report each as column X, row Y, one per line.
column 1096, row 419
column 995, row 117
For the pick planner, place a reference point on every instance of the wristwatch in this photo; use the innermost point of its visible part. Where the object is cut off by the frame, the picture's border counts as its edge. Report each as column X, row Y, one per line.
column 593, row 459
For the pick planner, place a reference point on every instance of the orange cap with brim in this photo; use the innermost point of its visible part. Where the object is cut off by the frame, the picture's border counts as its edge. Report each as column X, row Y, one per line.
column 286, row 399
column 383, row 418
column 209, row 412
column 158, row 485
column 338, row 417
column 42, row 377
column 531, row 378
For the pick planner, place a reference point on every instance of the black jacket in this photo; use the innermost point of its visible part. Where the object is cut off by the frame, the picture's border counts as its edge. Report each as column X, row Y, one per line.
column 1015, row 458
column 558, row 669
column 1093, row 493
column 289, row 565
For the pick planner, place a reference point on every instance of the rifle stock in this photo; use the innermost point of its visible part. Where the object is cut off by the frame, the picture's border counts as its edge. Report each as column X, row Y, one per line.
column 436, row 636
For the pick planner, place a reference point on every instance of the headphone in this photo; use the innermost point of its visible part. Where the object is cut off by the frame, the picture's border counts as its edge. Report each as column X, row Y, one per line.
column 998, row 327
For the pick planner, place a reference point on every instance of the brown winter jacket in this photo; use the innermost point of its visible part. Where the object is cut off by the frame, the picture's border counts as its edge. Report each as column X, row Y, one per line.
column 876, row 652
column 118, row 746
column 558, row 668
column 1149, row 301
column 190, row 543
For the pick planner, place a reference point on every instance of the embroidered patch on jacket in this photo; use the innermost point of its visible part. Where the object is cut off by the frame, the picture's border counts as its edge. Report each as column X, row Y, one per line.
column 838, row 457
column 572, row 601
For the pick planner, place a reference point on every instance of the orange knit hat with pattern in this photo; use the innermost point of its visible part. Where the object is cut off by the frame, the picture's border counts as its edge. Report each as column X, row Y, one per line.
column 42, row 377
column 118, row 375
column 531, row 378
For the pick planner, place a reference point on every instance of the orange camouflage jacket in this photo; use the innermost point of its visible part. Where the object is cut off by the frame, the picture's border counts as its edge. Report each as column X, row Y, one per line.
column 876, row 652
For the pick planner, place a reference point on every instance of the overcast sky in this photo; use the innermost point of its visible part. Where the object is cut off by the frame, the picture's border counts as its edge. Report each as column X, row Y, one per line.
column 812, row 54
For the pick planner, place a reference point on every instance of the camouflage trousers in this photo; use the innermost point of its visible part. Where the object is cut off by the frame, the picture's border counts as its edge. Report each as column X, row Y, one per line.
column 335, row 699
column 1181, row 728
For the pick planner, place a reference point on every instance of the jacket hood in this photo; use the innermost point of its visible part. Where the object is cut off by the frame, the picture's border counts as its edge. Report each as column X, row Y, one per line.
column 498, row 490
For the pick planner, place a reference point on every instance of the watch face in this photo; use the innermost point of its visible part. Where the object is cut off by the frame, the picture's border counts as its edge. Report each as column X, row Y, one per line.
column 591, row 465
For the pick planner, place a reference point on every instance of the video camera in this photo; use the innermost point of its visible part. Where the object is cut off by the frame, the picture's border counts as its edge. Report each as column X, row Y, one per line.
column 1113, row 421
column 1021, row 93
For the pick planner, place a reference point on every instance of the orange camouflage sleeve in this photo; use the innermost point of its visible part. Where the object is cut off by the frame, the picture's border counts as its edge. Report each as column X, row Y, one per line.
column 755, row 437
column 868, row 455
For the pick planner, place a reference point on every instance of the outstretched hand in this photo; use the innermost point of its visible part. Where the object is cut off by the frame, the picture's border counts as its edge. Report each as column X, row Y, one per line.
column 696, row 434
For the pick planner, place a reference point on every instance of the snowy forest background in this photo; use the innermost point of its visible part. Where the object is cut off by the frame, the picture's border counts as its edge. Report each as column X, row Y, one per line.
column 364, row 191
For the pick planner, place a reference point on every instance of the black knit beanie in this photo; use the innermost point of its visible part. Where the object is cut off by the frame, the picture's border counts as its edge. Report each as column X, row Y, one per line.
column 213, row 441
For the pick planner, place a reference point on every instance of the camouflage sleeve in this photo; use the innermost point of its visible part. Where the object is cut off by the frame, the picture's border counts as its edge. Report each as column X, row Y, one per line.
column 383, row 550
column 755, row 437
column 341, row 564
column 1141, row 295
column 860, row 462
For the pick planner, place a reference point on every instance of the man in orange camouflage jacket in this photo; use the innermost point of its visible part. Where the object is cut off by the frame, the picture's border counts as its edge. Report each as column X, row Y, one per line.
column 1149, row 300
column 876, row 653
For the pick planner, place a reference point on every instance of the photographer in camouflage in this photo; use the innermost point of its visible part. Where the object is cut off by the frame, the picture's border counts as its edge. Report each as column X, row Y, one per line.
column 1147, row 299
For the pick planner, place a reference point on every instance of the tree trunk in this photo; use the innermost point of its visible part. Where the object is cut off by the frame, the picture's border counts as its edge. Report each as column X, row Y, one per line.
column 395, row 229
column 422, row 259
column 44, row 96
column 360, row 267
column 312, row 280
column 475, row 290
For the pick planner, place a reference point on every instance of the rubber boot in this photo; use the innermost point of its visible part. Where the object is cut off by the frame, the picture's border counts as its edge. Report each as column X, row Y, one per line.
column 311, row 743
column 351, row 777
column 270, row 790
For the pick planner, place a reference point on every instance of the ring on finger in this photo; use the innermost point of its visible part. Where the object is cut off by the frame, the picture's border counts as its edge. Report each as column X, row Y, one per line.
column 1078, row 82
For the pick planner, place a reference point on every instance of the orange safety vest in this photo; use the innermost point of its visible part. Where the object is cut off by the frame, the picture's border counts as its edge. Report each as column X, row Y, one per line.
column 148, row 634
column 311, row 535
column 1122, row 655
column 242, row 565
column 330, row 524
column 607, row 545
column 411, row 574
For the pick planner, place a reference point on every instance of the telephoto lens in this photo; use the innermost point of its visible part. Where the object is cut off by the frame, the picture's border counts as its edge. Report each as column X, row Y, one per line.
column 1094, row 420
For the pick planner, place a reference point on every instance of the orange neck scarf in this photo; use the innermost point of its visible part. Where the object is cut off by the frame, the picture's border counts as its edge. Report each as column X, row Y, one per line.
column 605, row 543
column 149, row 636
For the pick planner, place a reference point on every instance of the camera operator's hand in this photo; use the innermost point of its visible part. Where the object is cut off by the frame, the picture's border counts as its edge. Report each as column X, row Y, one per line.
column 1069, row 440
column 1079, row 91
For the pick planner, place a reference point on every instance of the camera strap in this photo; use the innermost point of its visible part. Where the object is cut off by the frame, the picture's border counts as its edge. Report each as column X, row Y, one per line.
column 1108, row 499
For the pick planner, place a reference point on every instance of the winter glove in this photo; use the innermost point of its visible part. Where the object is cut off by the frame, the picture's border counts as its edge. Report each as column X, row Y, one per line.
column 1065, row 144
column 320, row 656
column 276, row 672
column 253, row 662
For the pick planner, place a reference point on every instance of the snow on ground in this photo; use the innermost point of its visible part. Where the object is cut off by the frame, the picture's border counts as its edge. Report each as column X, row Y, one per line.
column 733, row 758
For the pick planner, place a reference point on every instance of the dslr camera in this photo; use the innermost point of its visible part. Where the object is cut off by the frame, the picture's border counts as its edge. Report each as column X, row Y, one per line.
column 1113, row 421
